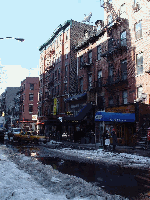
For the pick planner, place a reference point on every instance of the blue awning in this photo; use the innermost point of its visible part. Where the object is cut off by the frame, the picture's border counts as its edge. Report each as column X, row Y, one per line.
column 76, row 97
column 114, row 117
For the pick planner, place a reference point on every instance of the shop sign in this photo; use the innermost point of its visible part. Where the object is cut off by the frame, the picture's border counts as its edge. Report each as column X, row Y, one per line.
column 54, row 110
column 34, row 117
column 122, row 109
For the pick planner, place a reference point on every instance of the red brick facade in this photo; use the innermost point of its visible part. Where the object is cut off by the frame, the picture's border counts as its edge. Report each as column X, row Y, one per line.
column 58, row 66
column 29, row 98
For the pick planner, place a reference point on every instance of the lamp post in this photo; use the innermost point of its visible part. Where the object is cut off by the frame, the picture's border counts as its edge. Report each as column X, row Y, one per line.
column 19, row 39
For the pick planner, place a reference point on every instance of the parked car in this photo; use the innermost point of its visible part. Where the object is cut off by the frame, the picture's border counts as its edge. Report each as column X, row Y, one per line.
column 13, row 132
column 29, row 136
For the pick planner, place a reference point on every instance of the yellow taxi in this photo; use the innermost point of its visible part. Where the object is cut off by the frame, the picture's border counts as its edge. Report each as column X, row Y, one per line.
column 30, row 136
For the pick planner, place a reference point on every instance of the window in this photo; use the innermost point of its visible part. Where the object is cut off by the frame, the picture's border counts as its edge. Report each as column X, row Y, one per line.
column 123, row 39
column 110, row 44
column 31, row 86
column 67, row 35
column 66, row 70
column 86, row 34
column 30, row 97
column 138, row 30
column 59, row 74
column 99, row 51
column 65, row 87
column 30, row 107
column 137, row 5
column 58, row 90
column 110, row 73
column 110, row 101
column 139, row 92
column 90, row 57
column 124, row 69
column 90, row 81
column 60, row 56
column 81, row 61
column 139, row 63
column 110, row 20
column 55, row 74
column 125, row 97
column 99, row 78
column 81, row 85
column 66, row 53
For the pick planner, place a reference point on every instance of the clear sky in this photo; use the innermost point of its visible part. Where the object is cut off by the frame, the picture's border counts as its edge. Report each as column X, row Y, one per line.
column 35, row 21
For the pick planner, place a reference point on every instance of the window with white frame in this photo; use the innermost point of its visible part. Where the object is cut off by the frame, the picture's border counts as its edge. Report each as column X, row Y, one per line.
column 138, row 30
column 123, row 38
column 99, row 52
column 139, row 92
column 31, row 97
column 125, row 97
column 30, row 108
column 139, row 63
column 124, row 69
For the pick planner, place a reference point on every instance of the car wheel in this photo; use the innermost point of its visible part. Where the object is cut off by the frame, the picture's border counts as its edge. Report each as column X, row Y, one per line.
column 35, row 141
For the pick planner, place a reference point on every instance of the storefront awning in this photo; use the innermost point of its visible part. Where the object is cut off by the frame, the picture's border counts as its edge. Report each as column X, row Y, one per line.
column 76, row 97
column 114, row 117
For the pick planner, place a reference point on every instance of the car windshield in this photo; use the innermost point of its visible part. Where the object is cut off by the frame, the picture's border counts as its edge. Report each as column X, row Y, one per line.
column 17, row 130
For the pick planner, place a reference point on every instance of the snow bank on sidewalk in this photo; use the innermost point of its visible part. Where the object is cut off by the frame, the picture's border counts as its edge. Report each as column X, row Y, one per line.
column 124, row 159
column 24, row 177
column 18, row 185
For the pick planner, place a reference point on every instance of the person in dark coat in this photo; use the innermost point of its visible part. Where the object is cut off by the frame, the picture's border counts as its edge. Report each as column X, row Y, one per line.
column 114, row 136
column 104, row 137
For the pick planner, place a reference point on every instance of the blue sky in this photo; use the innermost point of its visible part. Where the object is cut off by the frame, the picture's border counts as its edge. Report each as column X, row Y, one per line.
column 35, row 21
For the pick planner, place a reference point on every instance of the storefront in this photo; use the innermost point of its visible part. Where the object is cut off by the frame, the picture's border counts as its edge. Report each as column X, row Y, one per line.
column 122, row 123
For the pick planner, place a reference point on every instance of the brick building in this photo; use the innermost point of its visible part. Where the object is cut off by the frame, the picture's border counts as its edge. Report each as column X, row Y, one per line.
column 29, row 101
column 113, row 70
column 58, row 71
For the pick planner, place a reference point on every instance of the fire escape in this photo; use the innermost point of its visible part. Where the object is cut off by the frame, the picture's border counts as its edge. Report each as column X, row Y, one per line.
column 48, row 83
column 117, row 78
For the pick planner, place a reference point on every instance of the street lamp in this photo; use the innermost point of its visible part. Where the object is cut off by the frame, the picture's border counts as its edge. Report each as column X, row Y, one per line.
column 19, row 39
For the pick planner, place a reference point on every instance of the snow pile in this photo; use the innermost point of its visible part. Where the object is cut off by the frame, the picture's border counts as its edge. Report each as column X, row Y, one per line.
column 123, row 159
column 26, row 178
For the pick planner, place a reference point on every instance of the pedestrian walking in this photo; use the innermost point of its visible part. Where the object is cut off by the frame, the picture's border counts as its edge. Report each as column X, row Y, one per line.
column 107, row 140
column 114, row 136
